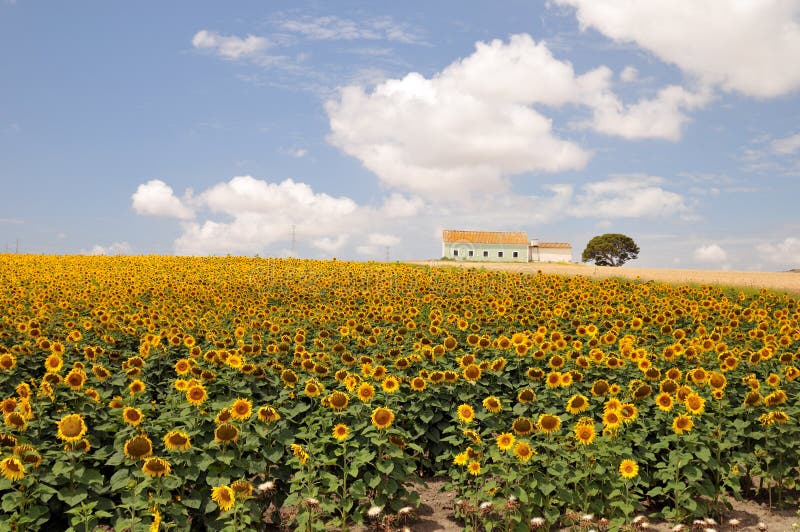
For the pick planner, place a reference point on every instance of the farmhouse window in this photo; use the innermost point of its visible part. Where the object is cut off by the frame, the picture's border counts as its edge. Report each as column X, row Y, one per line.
column 499, row 253
column 515, row 254
column 455, row 253
column 485, row 253
column 470, row 253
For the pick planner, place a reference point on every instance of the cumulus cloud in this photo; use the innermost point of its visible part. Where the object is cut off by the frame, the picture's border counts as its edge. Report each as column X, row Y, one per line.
column 116, row 248
column 156, row 198
column 786, row 251
column 748, row 47
column 479, row 121
column 399, row 206
column 229, row 47
column 710, row 253
column 627, row 196
column 629, row 74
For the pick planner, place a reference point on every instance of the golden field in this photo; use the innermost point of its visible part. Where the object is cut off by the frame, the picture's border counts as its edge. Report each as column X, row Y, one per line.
column 228, row 393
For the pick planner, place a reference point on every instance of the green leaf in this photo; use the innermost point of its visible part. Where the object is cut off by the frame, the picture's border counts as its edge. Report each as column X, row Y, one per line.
column 72, row 496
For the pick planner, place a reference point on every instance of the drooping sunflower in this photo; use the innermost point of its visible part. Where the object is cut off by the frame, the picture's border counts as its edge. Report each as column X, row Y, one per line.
column 522, row 426
column 28, row 455
column 682, row 423
column 300, row 453
column 382, row 417
column 628, row 468
column 196, row 394
column 132, row 416
column 16, row 421
column 12, row 468
column 71, row 428
column 268, row 414
column 224, row 496
column 585, row 433
column 242, row 488
column 226, row 433
column 156, row 467
column 505, row 441
column 492, row 404
column 177, row 440
column 138, row 447
column 341, row 432
column 223, row 416
column 7, row 440
column 242, row 408
column 465, row 413
column 577, row 404
column 548, row 423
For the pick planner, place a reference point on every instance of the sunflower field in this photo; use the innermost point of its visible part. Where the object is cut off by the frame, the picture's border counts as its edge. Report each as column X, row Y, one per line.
column 245, row 393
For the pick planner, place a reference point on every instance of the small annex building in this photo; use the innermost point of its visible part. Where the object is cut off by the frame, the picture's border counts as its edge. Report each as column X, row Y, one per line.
column 501, row 246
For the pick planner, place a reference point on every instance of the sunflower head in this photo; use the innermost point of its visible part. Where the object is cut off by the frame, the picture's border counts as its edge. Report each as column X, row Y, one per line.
column 382, row 417
column 71, row 428
column 548, row 423
column 156, row 467
column 628, row 468
column 138, row 447
column 177, row 440
column 226, row 433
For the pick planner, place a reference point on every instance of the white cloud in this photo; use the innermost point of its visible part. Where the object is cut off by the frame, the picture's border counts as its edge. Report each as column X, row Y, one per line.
column 117, row 248
column 399, row 206
column 660, row 118
column 229, row 47
column 710, row 253
column 786, row 251
column 629, row 74
column 155, row 198
column 297, row 153
column 259, row 213
column 338, row 28
column 786, row 145
column 627, row 196
column 330, row 244
column 746, row 46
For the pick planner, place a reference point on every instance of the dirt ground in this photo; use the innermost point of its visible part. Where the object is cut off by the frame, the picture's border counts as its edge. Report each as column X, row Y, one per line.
column 436, row 511
column 435, row 514
column 780, row 281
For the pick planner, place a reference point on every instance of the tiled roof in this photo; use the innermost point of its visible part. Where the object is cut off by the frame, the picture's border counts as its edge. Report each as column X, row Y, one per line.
column 484, row 237
column 554, row 245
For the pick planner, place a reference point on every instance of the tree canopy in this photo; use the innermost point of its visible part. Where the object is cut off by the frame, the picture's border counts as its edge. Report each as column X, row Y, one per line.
column 610, row 249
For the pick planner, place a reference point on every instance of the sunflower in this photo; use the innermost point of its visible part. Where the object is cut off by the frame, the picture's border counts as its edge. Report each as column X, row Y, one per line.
column 505, row 441
column 473, row 436
column 183, row 366
column 474, row 468
column 628, row 412
column 365, row 392
column 242, row 409
column 682, row 423
column 75, row 378
column 418, row 384
column 695, row 404
column 664, row 402
column 100, row 372
column 548, row 423
column 600, row 387
column 177, row 440
column 460, row 459
column 341, row 432
column 526, row 395
column 312, row 388
column 492, row 404
column 289, row 378
column 472, row 373
column 223, row 416
column 585, row 433
column 224, row 496
column 7, row 440
column 242, row 488
column 390, row 384
column 753, row 398
column 226, row 433
column 196, row 394
column 300, row 453
column 28, row 455
column 577, row 404
column 138, row 447
column 132, row 416
column 156, row 467
column 12, row 468
column 71, row 428
column 628, row 468
column 522, row 426
column 268, row 414
column 338, row 400
column 778, row 397
column 465, row 413
column 523, row 451
column 612, row 419
column 771, row 418
column 7, row 361
column 553, row 379
column 16, row 421
column 136, row 386
column 53, row 363
column 382, row 417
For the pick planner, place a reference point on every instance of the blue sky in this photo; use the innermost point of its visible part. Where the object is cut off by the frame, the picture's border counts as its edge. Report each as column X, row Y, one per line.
column 212, row 128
